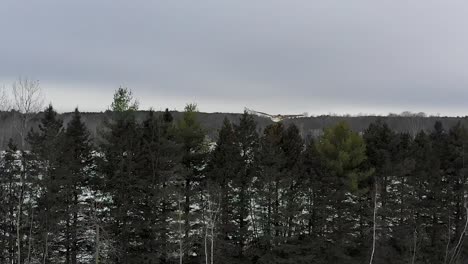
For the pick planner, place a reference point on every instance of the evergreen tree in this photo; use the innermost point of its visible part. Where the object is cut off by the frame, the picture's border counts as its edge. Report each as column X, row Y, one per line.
column 169, row 165
column 270, row 183
column 316, row 191
column 437, row 220
column 77, row 169
column 223, row 170
column 400, row 204
column 159, row 157
column 380, row 149
column 155, row 191
column 121, row 184
column 10, row 187
column 292, row 145
column 247, row 141
column 191, row 136
column 46, row 148
column 381, row 143
column 424, row 171
column 344, row 154
column 456, row 176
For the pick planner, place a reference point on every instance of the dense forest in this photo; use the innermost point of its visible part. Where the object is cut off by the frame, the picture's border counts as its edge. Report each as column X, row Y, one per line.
column 159, row 191
column 311, row 126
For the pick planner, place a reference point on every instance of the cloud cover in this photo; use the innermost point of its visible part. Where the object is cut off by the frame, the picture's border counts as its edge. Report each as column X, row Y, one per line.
column 336, row 56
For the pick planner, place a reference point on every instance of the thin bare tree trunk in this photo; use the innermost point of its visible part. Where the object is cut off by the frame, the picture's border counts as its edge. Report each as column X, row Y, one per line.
column 448, row 242
column 212, row 244
column 18, row 217
column 20, row 204
column 252, row 215
column 460, row 240
column 206, row 219
column 27, row 99
column 206, row 243
column 46, row 249
column 97, row 244
column 375, row 226
column 214, row 211
column 181, row 253
column 30, row 234
column 415, row 236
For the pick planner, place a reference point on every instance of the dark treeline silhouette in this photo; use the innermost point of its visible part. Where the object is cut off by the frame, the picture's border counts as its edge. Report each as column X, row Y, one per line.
column 157, row 191
column 309, row 126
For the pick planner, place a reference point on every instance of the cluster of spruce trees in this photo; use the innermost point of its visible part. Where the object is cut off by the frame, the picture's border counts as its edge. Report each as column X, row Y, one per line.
column 158, row 191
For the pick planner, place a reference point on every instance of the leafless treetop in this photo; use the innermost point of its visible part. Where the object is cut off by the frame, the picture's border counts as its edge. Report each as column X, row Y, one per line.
column 27, row 95
column 5, row 103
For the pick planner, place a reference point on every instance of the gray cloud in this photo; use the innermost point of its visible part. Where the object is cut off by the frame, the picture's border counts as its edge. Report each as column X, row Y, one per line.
column 279, row 56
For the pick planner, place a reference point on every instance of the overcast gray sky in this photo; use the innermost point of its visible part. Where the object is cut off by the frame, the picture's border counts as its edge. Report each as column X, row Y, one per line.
column 277, row 56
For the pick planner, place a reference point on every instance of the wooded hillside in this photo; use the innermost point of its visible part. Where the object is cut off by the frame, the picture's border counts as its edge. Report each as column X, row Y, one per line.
column 157, row 191
column 212, row 122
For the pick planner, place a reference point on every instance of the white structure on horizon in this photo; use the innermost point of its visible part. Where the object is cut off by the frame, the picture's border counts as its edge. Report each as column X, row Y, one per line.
column 274, row 118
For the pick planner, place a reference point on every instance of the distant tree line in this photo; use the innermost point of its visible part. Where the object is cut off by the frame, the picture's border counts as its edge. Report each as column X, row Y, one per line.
column 159, row 191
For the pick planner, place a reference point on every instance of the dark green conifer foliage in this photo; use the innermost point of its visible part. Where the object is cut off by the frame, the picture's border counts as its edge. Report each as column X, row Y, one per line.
column 247, row 140
column 46, row 147
column 292, row 146
column 167, row 116
column 156, row 190
column 343, row 152
column 457, row 175
column 122, row 185
column 191, row 137
column 316, row 191
column 9, row 199
column 382, row 148
column 77, row 170
column 223, row 169
column 437, row 202
column 271, row 182
column 424, row 172
column 158, row 165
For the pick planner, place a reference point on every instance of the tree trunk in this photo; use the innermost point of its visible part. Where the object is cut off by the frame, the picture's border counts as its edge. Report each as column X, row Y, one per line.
column 30, row 234
column 187, row 215
column 20, row 208
column 96, row 256
column 18, row 224
column 181, row 237
column 74, row 238
column 374, row 229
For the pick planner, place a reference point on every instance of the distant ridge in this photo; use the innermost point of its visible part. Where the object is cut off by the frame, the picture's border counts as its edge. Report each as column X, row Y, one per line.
column 308, row 126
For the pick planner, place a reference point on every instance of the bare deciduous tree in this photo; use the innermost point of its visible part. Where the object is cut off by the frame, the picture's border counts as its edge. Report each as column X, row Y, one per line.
column 210, row 217
column 458, row 246
column 103, row 241
column 252, row 216
column 448, row 241
column 27, row 100
column 374, row 229
column 5, row 103
column 415, row 245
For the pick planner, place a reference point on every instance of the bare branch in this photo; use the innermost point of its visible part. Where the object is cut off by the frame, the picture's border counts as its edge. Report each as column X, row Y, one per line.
column 5, row 103
column 27, row 100
column 27, row 95
column 456, row 252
